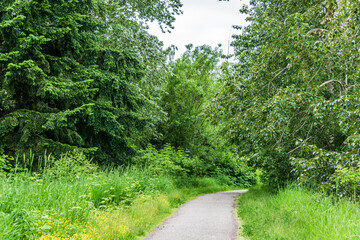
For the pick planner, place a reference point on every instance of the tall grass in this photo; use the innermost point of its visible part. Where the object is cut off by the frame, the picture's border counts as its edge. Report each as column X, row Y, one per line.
column 104, row 204
column 296, row 213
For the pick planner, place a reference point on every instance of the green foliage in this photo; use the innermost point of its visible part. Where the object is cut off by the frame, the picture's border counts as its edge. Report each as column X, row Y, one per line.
column 188, row 89
column 69, row 79
column 5, row 163
column 169, row 161
column 347, row 181
column 232, row 168
column 295, row 85
column 228, row 168
column 71, row 164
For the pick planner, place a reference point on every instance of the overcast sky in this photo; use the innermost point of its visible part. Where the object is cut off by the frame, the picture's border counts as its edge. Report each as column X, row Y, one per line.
column 204, row 22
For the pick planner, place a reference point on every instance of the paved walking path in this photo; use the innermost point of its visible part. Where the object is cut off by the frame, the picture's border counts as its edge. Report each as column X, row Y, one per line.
column 207, row 217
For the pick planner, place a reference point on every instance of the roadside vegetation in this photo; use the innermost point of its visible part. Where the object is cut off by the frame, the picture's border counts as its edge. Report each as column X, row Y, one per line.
column 74, row 199
column 294, row 100
column 295, row 213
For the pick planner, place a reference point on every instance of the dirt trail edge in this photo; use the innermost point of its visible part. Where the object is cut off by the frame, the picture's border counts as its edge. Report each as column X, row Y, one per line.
column 210, row 216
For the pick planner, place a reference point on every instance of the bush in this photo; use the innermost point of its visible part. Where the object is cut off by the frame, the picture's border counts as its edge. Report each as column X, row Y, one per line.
column 5, row 163
column 333, row 172
column 347, row 181
column 70, row 164
column 235, row 169
column 228, row 168
column 170, row 161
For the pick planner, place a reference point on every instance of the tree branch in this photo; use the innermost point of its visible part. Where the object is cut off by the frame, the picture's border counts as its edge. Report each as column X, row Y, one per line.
column 280, row 72
column 318, row 31
column 332, row 81
column 299, row 145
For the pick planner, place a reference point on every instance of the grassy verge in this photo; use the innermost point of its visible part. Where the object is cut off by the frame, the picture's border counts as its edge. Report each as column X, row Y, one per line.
column 117, row 204
column 295, row 213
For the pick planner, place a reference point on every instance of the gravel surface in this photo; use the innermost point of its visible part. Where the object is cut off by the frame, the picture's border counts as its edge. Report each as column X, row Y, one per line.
column 207, row 217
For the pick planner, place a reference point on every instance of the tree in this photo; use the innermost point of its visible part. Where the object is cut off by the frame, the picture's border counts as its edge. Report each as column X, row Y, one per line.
column 188, row 89
column 67, row 81
column 296, row 68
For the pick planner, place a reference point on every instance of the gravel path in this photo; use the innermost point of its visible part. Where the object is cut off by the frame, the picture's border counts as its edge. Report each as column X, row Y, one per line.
column 207, row 217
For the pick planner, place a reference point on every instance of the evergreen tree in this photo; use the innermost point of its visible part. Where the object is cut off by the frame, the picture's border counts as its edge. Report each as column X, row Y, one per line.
column 66, row 81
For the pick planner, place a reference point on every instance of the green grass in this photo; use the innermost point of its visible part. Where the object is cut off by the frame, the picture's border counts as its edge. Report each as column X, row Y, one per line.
column 117, row 204
column 295, row 213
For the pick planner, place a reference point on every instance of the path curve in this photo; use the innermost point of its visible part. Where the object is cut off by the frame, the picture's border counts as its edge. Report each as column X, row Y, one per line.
column 207, row 217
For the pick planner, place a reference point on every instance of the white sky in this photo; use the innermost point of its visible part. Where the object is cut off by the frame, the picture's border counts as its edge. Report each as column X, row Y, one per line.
column 204, row 22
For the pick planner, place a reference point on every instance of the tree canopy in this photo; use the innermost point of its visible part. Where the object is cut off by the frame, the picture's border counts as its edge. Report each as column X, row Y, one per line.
column 291, row 100
column 70, row 73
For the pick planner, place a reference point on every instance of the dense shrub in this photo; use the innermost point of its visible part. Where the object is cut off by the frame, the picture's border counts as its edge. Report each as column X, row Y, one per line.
column 333, row 172
column 170, row 161
column 228, row 167
column 70, row 164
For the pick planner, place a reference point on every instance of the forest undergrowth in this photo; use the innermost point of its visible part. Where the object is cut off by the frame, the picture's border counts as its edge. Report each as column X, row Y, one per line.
column 75, row 199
